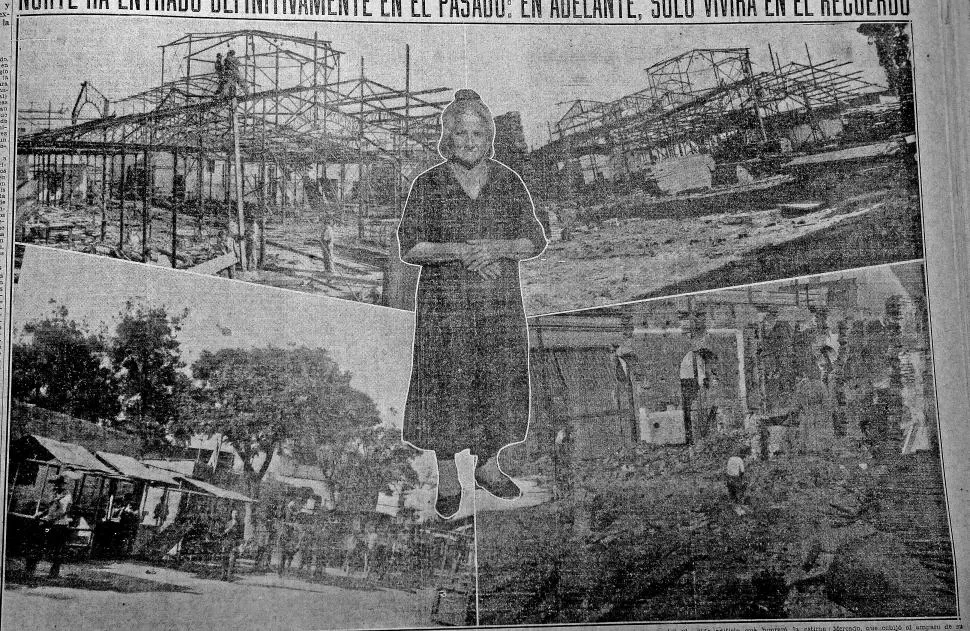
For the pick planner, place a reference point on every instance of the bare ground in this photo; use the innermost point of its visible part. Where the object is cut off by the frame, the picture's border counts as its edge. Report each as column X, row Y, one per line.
column 873, row 219
column 657, row 540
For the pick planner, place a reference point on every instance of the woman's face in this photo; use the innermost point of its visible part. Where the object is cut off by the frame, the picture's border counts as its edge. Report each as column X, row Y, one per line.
column 470, row 139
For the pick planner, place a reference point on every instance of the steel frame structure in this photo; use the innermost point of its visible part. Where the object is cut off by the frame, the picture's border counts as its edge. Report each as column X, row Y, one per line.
column 291, row 98
column 702, row 97
column 287, row 109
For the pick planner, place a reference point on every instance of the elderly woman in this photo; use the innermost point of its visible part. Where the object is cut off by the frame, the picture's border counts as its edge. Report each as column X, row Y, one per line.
column 468, row 222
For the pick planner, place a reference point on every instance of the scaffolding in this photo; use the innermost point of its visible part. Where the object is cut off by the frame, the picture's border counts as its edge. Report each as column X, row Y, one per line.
column 704, row 99
column 259, row 115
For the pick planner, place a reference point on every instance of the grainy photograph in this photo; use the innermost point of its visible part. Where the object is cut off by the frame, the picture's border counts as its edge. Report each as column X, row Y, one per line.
column 348, row 325
column 185, row 450
column 767, row 452
column 661, row 163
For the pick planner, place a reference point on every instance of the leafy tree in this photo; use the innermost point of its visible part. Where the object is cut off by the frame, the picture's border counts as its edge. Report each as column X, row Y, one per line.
column 268, row 399
column 360, row 462
column 893, row 52
column 146, row 355
column 59, row 365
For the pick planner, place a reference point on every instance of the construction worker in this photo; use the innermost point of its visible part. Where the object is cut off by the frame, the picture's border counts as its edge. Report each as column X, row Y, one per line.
column 231, row 73
column 220, row 69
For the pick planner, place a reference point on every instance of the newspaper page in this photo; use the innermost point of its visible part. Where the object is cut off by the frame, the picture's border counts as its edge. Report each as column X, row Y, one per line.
column 344, row 314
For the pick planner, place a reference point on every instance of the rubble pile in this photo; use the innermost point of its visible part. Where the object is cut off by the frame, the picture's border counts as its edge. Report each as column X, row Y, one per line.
column 652, row 536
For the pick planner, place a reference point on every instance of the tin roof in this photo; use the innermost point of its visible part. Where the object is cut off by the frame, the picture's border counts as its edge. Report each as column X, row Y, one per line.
column 73, row 456
column 130, row 467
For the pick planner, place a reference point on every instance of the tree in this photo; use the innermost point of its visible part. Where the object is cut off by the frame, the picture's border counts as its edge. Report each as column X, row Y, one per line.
column 893, row 52
column 266, row 399
column 147, row 358
column 359, row 456
column 61, row 366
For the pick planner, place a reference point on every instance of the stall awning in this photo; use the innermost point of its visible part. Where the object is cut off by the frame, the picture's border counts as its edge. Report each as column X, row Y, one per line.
column 217, row 491
column 73, row 456
column 126, row 465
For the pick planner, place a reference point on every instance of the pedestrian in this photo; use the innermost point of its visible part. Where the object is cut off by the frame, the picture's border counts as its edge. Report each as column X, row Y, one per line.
column 326, row 245
column 567, row 219
column 736, row 483
column 265, row 538
column 53, row 529
column 321, row 548
column 349, row 544
column 289, row 538
column 813, row 407
column 127, row 525
column 232, row 537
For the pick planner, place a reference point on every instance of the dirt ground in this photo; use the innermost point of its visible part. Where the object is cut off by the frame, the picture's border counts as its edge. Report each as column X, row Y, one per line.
column 294, row 261
column 866, row 215
column 293, row 257
column 658, row 539
column 135, row 596
column 865, row 218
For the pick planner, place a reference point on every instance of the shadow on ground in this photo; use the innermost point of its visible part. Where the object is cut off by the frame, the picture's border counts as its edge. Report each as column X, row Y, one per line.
column 92, row 577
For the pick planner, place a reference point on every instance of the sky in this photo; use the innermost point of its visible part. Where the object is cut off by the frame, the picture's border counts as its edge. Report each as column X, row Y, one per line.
column 530, row 69
column 373, row 343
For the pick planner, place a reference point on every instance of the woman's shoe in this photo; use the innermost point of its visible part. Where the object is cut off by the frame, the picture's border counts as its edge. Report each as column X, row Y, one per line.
column 447, row 505
column 505, row 489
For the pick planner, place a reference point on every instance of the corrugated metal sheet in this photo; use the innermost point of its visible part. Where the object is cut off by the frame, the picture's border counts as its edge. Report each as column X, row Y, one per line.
column 73, row 456
column 130, row 467
column 217, row 491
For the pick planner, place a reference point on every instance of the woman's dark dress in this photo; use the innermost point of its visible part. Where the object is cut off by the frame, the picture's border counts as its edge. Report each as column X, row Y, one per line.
column 470, row 377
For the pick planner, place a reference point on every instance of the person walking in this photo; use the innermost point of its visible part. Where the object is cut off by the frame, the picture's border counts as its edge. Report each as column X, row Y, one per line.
column 736, row 483
column 232, row 537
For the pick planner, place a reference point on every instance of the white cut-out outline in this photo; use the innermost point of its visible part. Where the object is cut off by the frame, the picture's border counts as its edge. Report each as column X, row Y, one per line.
column 528, row 422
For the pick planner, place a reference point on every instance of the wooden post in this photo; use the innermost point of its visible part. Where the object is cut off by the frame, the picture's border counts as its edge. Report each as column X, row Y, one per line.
column 240, row 212
column 264, row 207
column 175, row 207
column 263, row 192
column 108, row 184
column 121, row 209
column 145, row 214
column 315, row 102
column 326, row 87
column 49, row 178
column 400, row 183
column 360, row 158
column 200, row 206
column 87, row 183
column 755, row 91
column 226, row 178
column 63, row 179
